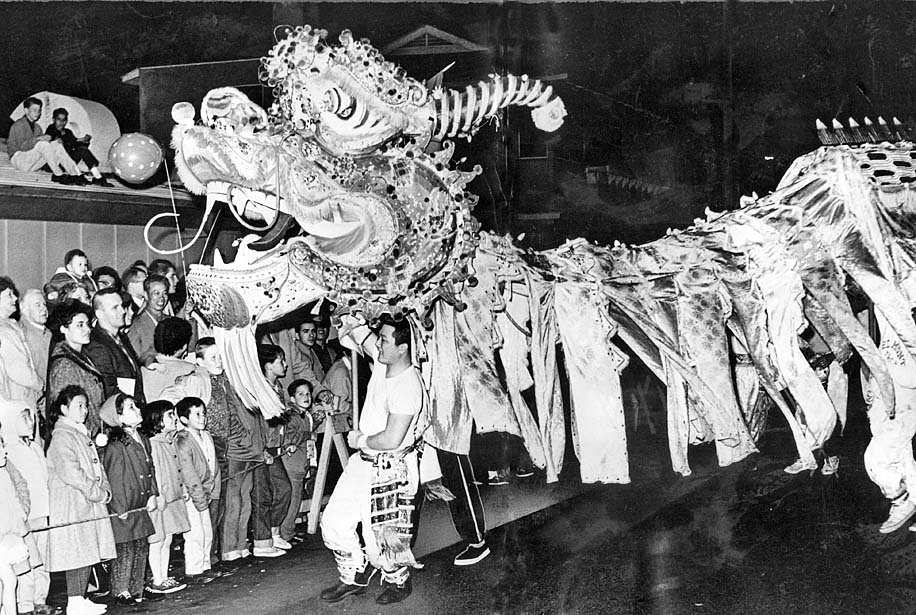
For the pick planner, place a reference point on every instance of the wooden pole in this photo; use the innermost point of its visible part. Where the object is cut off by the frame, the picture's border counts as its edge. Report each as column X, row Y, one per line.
column 354, row 387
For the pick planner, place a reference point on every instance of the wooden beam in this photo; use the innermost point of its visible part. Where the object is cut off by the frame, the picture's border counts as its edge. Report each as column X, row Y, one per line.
column 34, row 203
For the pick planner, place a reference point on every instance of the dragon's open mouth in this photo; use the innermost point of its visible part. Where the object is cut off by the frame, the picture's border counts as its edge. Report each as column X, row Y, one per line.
column 327, row 220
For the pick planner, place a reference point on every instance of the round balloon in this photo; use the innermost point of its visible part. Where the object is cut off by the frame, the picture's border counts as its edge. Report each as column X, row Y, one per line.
column 135, row 157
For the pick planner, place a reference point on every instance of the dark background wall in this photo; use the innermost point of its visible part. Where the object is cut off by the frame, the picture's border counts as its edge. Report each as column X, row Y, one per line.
column 687, row 105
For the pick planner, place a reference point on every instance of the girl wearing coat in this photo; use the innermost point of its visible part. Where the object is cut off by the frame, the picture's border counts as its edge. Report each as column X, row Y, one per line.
column 170, row 516
column 78, row 490
column 128, row 462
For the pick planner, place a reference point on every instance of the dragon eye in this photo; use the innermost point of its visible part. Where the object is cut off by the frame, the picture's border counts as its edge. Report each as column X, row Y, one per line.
column 339, row 103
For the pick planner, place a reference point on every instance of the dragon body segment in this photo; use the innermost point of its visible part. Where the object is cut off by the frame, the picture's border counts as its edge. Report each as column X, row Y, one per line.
column 350, row 153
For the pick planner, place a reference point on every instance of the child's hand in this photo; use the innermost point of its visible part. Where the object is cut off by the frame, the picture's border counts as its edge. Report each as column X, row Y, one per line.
column 292, row 448
column 151, row 504
column 123, row 516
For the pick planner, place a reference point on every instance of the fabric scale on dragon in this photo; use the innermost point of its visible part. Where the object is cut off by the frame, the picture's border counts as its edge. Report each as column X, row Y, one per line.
column 348, row 152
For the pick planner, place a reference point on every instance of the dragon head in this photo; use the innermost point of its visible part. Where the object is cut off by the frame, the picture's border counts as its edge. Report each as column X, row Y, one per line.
column 344, row 152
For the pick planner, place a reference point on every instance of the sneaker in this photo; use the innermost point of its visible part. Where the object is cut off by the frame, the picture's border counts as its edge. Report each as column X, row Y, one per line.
column 202, row 578
column 282, row 544
column 169, row 586
column 800, row 466
column 394, row 593
column 157, row 588
column 147, row 596
column 525, row 472
column 268, row 552
column 900, row 513
column 46, row 609
column 124, row 599
column 472, row 554
column 831, row 466
column 498, row 477
column 84, row 606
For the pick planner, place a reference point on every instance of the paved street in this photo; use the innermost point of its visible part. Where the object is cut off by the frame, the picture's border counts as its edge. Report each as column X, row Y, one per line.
column 744, row 539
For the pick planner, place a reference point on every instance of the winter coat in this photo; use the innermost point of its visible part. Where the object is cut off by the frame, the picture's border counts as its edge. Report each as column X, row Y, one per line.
column 115, row 361
column 67, row 367
column 38, row 340
column 201, row 480
column 171, row 514
column 13, row 528
column 79, row 490
column 63, row 278
column 24, row 381
column 27, row 455
column 129, row 465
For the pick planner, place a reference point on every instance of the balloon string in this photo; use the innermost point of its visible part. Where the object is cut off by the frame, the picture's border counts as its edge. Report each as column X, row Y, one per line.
column 209, row 234
column 168, row 177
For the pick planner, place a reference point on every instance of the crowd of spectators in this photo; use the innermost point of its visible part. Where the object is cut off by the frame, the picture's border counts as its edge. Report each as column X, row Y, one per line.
column 120, row 431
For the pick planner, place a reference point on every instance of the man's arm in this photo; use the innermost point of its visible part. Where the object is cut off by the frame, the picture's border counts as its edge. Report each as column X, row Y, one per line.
column 390, row 438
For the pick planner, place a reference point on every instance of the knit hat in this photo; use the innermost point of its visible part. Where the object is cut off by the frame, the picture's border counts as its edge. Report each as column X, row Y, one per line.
column 109, row 411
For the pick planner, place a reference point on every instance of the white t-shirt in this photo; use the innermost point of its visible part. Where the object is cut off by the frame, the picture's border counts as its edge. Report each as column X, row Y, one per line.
column 403, row 394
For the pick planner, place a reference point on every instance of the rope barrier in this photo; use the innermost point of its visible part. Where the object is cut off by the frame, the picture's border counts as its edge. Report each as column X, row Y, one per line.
column 143, row 508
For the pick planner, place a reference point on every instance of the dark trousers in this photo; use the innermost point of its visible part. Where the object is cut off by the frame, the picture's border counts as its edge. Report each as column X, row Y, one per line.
column 217, row 510
column 81, row 153
column 466, row 509
column 128, row 571
column 270, row 499
column 77, row 581
column 238, row 494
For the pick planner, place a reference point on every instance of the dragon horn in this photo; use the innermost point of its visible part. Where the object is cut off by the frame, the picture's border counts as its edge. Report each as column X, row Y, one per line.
column 462, row 113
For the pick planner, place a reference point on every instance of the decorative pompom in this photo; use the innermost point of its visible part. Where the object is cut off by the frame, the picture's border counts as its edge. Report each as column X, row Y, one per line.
column 101, row 440
column 549, row 117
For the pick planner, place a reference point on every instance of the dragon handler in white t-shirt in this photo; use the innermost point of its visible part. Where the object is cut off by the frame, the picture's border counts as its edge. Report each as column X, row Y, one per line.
column 380, row 481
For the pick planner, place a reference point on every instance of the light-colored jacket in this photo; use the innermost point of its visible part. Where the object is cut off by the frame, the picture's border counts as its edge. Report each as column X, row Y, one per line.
column 24, row 381
column 306, row 365
column 28, row 457
column 201, row 481
column 79, row 490
column 156, row 381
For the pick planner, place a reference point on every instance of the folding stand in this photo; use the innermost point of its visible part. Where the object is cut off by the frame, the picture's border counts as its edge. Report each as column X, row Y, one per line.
column 324, row 459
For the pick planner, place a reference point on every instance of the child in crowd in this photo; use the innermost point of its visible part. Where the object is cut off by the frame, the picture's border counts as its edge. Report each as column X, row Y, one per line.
column 78, row 490
column 160, row 425
column 271, row 493
column 14, row 553
column 25, row 452
column 75, row 270
column 238, row 440
column 197, row 460
column 128, row 463
column 300, row 459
